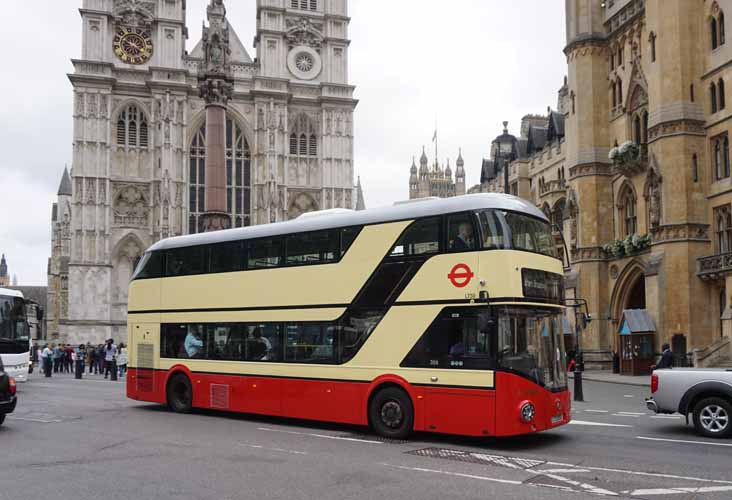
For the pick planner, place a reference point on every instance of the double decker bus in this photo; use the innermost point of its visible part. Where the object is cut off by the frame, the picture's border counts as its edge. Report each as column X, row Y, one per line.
column 14, row 334
column 439, row 315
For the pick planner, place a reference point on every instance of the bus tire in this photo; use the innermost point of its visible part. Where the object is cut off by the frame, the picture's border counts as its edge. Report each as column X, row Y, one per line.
column 180, row 394
column 391, row 413
column 2, row 418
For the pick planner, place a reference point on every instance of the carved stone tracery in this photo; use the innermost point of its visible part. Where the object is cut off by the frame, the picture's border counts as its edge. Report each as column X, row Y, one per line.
column 130, row 205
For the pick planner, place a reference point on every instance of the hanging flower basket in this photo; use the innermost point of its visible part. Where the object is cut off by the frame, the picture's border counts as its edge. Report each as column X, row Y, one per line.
column 627, row 158
column 628, row 246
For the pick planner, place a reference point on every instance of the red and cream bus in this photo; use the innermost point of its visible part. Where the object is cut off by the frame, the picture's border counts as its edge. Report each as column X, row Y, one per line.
column 441, row 315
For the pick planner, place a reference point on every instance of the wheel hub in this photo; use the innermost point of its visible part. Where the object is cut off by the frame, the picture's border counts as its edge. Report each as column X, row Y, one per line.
column 392, row 414
column 714, row 418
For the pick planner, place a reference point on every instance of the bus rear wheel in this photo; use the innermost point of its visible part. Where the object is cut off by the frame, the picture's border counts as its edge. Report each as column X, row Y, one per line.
column 180, row 394
column 391, row 413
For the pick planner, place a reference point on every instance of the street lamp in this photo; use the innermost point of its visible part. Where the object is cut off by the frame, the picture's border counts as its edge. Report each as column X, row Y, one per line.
column 504, row 152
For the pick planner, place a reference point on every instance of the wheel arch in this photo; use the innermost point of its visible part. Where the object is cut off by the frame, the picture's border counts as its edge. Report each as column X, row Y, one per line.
column 703, row 390
column 175, row 370
column 386, row 381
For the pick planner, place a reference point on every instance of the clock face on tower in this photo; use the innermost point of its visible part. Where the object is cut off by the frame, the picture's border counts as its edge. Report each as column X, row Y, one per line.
column 132, row 45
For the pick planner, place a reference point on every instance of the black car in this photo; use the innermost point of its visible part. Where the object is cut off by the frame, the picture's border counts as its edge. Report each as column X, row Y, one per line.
column 8, row 399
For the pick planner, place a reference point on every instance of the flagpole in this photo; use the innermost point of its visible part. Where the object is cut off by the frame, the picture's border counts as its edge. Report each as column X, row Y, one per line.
column 435, row 138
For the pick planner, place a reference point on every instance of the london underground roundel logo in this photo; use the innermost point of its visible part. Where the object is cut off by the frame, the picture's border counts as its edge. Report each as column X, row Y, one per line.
column 460, row 275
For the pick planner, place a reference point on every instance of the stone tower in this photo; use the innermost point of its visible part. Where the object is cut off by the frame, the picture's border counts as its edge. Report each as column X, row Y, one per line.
column 4, row 277
column 140, row 143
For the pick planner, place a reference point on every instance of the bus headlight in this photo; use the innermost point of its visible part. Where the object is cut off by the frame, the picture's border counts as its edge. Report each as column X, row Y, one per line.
column 528, row 412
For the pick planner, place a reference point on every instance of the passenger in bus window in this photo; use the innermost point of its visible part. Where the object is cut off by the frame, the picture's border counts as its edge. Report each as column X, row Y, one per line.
column 463, row 242
column 258, row 346
column 193, row 343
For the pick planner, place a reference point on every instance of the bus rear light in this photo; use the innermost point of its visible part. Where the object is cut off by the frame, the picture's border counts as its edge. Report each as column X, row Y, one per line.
column 13, row 386
column 654, row 383
column 528, row 412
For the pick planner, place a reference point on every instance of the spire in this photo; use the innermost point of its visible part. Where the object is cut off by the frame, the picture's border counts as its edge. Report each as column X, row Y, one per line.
column 413, row 169
column 423, row 159
column 448, row 170
column 65, row 188
column 3, row 267
column 360, row 202
column 460, row 170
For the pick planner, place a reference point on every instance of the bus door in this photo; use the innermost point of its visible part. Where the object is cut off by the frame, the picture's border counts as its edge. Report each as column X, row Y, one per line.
column 461, row 398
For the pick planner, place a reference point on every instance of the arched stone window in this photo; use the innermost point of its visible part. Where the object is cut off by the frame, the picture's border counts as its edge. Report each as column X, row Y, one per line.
column 615, row 95
column 637, row 130
column 238, row 177
column 303, row 138
column 713, row 32
column 620, row 92
column 645, row 128
column 723, row 229
column 720, row 94
column 713, row 97
column 725, row 156
column 652, row 40
column 628, row 211
column 720, row 28
column 717, row 160
column 694, row 168
column 132, row 128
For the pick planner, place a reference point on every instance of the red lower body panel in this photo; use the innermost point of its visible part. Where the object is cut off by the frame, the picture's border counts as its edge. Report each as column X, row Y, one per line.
column 449, row 410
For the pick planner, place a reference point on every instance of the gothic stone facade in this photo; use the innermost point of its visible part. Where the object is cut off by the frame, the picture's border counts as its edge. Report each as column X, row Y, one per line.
column 436, row 181
column 650, row 229
column 139, row 141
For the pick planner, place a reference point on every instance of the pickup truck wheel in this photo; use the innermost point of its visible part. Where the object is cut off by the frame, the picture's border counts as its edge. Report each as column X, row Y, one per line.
column 713, row 417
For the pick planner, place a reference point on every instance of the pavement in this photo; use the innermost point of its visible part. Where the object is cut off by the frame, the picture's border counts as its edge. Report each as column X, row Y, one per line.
column 82, row 438
column 614, row 378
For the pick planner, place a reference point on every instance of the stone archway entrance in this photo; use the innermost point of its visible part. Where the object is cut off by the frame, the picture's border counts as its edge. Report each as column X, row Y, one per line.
column 636, row 298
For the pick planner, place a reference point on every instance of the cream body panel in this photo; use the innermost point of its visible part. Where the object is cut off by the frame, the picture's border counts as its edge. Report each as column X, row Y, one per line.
column 300, row 285
column 144, row 295
column 432, row 282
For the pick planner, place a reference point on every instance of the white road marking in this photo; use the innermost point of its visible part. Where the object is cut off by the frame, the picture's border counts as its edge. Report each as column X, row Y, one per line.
column 632, row 413
column 671, row 417
column 587, row 487
column 677, row 491
column 35, row 420
column 597, row 411
column 324, row 436
column 628, row 396
column 683, row 441
column 260, row 447
column 562, row 471
column 598, row 424
column 625, row 415
column 658, row 475
column 457, row 474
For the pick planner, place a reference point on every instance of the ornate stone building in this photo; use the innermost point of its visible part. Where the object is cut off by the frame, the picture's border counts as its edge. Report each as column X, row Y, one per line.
column 139, row 145
column 636, row 169
column 434, row 180
column 4, row 276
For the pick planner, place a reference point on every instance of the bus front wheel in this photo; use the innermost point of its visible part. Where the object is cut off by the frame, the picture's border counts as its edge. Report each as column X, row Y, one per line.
column 391, row 413
column 180, row 394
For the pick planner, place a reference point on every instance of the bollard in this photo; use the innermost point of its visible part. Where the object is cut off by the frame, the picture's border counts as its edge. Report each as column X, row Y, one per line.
column 78, row 369
column 113, row 376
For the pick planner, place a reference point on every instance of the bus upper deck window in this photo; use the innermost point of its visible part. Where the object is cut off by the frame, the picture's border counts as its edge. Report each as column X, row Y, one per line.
column 492, row 230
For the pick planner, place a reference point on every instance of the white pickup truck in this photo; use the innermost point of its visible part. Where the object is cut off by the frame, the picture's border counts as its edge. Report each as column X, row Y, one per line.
column 705, row 394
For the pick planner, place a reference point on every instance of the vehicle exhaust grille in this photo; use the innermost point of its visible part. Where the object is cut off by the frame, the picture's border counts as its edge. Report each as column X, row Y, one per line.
column 220, row 396
column 145, row 356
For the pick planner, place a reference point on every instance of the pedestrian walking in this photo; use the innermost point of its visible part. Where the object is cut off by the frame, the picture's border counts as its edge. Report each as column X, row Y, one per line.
column 122, row 359
column 667, row 358
column 110, row 354
column 89, row 356
column 57, row 358
column 100, row 359
column 46, row 360
column 80, row 353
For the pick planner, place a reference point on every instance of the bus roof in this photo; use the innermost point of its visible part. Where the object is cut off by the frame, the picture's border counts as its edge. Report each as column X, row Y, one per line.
column 329, row 219
column 11, row 293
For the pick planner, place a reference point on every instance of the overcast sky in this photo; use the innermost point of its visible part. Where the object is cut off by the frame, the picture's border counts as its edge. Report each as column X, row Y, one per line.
column 470, row 63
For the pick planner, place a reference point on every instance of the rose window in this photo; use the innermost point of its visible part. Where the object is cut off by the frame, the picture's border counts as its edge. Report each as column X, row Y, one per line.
column 304, row 62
